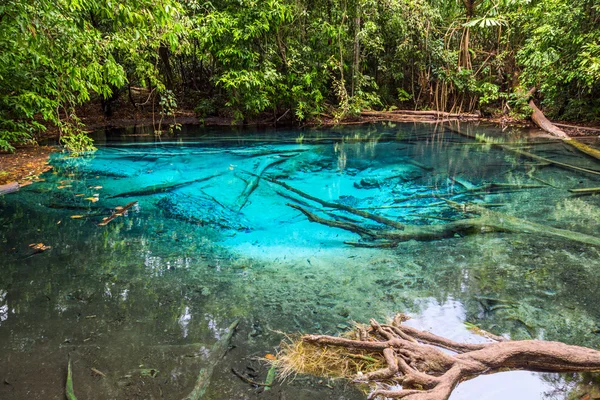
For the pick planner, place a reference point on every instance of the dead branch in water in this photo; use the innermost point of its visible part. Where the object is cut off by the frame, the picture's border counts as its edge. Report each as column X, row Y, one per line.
column 352, row 210
column 252, row 184
column 119, row 211
column 487, row 221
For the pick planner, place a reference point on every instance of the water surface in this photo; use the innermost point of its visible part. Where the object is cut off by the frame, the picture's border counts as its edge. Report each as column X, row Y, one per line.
column 144, row 298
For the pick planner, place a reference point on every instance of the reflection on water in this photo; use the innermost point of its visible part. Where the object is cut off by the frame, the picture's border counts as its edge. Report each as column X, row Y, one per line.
column 144, row 298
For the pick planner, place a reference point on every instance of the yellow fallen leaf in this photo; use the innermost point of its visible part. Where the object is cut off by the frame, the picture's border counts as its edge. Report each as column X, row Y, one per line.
column 79, row 195
column 92, row 199
column 76, row 216
column 97, row 187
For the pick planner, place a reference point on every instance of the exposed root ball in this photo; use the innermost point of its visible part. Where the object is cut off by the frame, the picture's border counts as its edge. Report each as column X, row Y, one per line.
column 403, row 356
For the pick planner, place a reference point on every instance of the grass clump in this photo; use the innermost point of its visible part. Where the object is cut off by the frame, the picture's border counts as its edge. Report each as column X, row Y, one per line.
column 300, row 357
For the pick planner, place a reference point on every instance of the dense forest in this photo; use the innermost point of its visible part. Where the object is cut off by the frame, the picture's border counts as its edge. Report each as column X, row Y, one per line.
column 293, row 59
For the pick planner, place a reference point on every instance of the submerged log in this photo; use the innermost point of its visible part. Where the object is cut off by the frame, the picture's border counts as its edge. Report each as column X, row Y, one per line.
column 252, row 184
column 585, row 191
column 217, row 352
column 414, row 359
column 203, row 210
column 167, row 187
column 489, row 221
column 474, row 191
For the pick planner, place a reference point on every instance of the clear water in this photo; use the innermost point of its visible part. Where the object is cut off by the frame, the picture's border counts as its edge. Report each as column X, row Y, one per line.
column 153, row 290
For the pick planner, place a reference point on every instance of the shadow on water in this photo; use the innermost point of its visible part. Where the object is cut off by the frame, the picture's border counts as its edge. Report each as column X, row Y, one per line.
column 143, row 299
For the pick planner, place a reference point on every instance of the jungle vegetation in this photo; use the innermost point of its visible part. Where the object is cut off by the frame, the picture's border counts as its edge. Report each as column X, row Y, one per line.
column 298, row 58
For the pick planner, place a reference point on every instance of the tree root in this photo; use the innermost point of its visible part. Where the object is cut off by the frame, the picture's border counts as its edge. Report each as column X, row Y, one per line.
column 414, row 359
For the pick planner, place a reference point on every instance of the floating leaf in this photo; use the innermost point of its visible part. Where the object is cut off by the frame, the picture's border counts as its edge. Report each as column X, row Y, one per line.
column 76, row 216
column 92, row 199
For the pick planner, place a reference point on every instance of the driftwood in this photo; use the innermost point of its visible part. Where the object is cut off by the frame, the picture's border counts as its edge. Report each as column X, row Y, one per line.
column 414, row 359
column 488, row 221
column 9, row 188
column 217, row 352
column 544, row 123
column 119, row 211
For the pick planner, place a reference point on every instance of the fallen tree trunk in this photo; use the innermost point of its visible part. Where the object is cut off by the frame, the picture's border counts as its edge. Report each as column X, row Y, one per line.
column 544, row 123
column 436, row 114
column 9, row 188
column 414, row 359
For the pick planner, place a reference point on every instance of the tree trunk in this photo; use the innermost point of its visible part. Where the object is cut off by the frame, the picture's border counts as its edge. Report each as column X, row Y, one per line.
column 414, row 358
column 544, row 123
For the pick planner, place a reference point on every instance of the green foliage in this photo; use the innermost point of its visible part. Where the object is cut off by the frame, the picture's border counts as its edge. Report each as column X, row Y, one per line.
column 561, row 56
column 55, row 55
column 300, row 58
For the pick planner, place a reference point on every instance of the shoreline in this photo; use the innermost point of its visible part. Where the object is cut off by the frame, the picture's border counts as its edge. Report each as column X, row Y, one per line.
column 26, row 163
